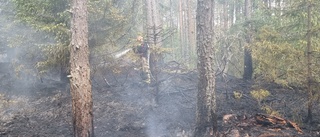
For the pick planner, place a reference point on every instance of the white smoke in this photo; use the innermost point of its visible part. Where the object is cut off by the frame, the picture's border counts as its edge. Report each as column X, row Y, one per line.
column 155, row 128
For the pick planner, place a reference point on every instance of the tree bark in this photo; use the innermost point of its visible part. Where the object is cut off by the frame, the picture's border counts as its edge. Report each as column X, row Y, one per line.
column 191, row 31
column 80, row 84
column 248, row 68
column 172, row 26
column 154, row 28
column 309, row 71
column 206, row 117
column 239, row 9
column 181, row 29
column 233, row 14
column 225, row 16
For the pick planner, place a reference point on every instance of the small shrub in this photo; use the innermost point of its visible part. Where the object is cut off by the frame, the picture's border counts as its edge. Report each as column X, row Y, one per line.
column 237, row 94
column 270, row 111
column 260, row 95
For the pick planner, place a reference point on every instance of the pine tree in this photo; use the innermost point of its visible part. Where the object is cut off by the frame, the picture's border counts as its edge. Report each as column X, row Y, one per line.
column 206, row 117
column 80, row 85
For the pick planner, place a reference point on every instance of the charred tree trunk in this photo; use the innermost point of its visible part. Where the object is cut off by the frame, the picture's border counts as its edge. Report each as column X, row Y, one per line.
column 206, row 117
column 80, row 84
column 309, row 73
column 248, row 68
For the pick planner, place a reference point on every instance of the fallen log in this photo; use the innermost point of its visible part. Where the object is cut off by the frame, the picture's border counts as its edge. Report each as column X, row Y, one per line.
column 276, row 122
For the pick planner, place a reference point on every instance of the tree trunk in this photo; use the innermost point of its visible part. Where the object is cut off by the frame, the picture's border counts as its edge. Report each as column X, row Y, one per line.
column 239, row 9
column 206, row 117
column 233, row 14
column 309, row 72
column 248, row 68
column 172, row 26
column 186, row 31
column 154, row 28
column 191, row 31
column 181, row 29
column 80, row 85
column 225, row 16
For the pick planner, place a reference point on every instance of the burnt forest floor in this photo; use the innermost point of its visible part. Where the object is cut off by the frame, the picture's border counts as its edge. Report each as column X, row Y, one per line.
column 125, row 107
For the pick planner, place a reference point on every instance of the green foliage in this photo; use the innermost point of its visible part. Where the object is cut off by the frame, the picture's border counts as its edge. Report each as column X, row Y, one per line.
column 237, row 95
column 48, row 16
column 260, row 95
column 279, row 49
column 109, row 26
column 229, row 51
column 269, row 110
column 278, row 62
column 51, row 19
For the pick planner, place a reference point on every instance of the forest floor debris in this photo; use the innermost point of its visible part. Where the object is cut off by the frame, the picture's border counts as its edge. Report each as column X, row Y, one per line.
column 129, row 110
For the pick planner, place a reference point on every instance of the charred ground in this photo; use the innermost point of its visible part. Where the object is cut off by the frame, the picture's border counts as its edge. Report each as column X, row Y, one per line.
column 125, row 107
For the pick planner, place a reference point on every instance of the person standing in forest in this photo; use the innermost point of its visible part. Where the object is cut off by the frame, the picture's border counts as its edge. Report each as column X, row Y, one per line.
column 142, row 49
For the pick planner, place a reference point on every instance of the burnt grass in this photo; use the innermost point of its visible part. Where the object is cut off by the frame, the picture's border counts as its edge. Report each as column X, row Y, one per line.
column 125, row 107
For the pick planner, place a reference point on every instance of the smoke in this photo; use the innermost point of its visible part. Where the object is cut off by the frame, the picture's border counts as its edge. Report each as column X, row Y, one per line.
column 19, row 52
column 165, row 119
column 155, row 127
column 173, row 113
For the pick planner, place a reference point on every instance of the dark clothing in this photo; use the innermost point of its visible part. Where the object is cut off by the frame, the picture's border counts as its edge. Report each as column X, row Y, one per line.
column 142, row 50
